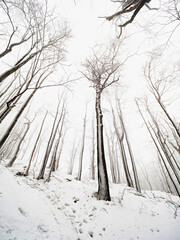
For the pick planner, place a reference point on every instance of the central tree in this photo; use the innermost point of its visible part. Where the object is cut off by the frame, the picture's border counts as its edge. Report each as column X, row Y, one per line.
column 102, row 69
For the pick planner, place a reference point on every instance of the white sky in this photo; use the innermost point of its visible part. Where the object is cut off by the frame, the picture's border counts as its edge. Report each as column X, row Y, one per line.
column 87, row 30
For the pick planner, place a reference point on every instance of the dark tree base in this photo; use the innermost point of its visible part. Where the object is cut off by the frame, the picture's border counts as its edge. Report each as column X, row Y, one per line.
column 101, row 196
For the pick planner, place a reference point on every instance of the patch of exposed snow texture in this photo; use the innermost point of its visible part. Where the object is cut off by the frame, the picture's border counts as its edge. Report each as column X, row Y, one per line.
column 66, row 209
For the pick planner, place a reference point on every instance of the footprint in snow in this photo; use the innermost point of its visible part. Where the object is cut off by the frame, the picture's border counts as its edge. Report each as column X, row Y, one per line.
column 74, row 211
column 91, row 234
column 42, row 228
column 85, row 221
column 23, row 212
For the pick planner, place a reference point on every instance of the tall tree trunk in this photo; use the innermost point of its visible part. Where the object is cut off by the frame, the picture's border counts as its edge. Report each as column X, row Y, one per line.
column 136, row 179
column 35, row 146
column 116, row 163
column 164, row 176
column 111, row 161
column 159, row 152
column 166, row 155
column 169, row 117
column 103, row 183
column 93, row 154
column 60, row 150
column 54, row 158
column 73, row 154
column 50, row 144
column 19, row 146
column 162, row 142
column 120, row 138
column 82, row 150
column 13, row 123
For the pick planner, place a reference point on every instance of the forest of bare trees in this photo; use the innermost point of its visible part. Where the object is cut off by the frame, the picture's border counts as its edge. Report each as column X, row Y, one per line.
column 34, row 46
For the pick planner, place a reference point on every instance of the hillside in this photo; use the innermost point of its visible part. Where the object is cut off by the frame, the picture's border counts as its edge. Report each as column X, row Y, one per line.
column 66, row 209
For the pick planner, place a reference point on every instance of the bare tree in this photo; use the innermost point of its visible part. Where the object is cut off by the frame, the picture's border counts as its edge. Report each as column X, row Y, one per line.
column 36, row 32
column 19, row 146
column 41, row 79
column 159, row 83
column 54, row 164
column 93, row 153
column 82, row 147
column 136, row 179
column 52, row 136
column 159, row 151
column 164, row 147
column 120, row 138
column 35, row 146
column 171, row 15
column 126, row 7
column 102, row 69
column 73, row 155
column 61, row 146
column 113, row 160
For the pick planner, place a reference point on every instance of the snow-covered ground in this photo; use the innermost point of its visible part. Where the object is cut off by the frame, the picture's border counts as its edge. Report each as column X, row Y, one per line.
column 66, row 209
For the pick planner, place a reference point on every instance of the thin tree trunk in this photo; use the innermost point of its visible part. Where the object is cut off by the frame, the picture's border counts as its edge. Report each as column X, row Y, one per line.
column 159, row 152
column 82, row 150
column 136, row 179
column 50, row 144
column 19, row 146
column 116, row 162
column 13, row 123
column 144, row 172
column 165, row 177
column 60, row 140
column 123, row 153
column 35, row 146
column 93, row 154
column 161, row 142
column 168, row 116
column 103, row 183
column 111, row 162
column 73, row 154
column 54, row 155
column 60, row 150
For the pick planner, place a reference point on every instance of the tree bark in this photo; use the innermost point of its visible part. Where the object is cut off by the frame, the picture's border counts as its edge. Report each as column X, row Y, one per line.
column 93, row 154
column 159, row 152
column 103, row 184
column 35, row 146
column 50, row 144
column 13, row 123
column 136, row 179
column 19, row 146
column 123, row 153
column 82, row 150
column 73, row 154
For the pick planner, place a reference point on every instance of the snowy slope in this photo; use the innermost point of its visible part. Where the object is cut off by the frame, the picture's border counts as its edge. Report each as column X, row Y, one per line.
column 66, row 209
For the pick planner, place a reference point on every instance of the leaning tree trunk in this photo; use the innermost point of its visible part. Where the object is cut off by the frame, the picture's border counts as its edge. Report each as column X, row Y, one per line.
column 13, row 123
column 50, row 144
column 19, row 146
column 136, row 179
column 159, row 152
column 103, row 183
column 120, row 138
column 35, row 146
column 54, row 155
